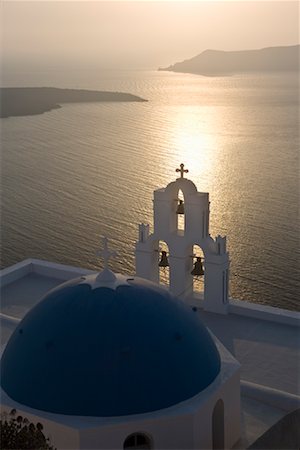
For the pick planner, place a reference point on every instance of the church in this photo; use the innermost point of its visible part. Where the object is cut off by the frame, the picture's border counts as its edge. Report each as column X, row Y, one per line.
column 109, row 361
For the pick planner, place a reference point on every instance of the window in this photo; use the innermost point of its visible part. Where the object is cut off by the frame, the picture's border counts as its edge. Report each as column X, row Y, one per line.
column 137, row 441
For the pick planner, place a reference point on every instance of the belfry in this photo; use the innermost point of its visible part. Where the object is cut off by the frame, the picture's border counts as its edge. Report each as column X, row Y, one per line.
column 193, row 209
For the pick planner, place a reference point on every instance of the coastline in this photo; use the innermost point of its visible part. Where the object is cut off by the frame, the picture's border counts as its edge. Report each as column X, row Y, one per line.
column 226, row 63
column 25, row 101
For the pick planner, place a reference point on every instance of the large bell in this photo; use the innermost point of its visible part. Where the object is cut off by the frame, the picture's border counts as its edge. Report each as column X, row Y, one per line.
column 180, row 207
column 198, row 268
column 164, row 260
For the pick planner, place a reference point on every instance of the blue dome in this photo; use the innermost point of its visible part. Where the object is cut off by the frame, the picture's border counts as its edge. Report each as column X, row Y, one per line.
column 93, row 350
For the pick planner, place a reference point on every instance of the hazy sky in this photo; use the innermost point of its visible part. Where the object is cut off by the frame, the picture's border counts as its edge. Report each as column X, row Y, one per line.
column 140, row 34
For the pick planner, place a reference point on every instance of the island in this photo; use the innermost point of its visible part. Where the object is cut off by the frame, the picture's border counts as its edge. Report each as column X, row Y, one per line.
column 220, row 63
column 25, row 101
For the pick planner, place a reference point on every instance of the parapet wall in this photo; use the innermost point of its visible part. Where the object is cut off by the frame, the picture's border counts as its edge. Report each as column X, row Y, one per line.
column 64, row 272
column 253, row 310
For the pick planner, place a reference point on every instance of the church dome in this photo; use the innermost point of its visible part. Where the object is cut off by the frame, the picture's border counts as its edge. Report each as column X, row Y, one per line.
column 109, row 346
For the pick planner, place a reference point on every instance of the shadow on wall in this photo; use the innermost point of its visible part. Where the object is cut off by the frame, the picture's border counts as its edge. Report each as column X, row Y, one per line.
column 284, row 434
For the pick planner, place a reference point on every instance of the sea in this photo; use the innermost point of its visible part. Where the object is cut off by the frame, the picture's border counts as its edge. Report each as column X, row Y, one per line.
column 75, row 174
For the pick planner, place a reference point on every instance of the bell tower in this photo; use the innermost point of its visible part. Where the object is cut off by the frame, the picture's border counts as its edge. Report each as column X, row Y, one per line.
column 193, row 210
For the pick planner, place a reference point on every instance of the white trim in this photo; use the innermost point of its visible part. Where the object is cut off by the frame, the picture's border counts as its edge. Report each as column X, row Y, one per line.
column 273, row 397
column 40, row 267
column 264, row 312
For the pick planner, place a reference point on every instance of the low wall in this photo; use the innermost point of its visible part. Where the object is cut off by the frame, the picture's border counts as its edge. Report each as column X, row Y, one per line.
column 59, row 271
column 65, row 272
column 273, row 397
column 264, row 312
column 253, row 310
column 39, row 267
column 15, row 272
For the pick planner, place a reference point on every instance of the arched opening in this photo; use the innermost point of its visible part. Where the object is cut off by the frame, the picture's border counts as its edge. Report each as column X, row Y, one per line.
column 218, row 426
column 198, row 269
column 180, row 212
column 225, row 285
column 163, row 264
column 137, row 441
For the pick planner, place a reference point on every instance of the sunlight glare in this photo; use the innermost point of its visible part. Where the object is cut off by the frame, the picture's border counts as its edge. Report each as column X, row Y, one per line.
column 195, row 144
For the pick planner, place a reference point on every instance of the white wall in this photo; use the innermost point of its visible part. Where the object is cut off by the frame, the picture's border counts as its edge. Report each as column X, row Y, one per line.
column 165, row 432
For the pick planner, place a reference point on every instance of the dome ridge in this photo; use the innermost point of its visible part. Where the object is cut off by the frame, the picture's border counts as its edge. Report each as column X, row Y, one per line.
column 107, row 278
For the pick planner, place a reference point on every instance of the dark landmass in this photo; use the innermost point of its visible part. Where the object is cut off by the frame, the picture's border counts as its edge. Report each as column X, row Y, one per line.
column 218, row 63
column 31, row 101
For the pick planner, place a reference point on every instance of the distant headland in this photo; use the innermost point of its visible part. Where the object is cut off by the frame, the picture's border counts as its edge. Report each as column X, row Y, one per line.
column 25, row 101
column 220, row 63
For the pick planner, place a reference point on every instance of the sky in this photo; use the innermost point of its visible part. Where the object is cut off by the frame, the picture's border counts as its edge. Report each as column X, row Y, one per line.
column 139, row 34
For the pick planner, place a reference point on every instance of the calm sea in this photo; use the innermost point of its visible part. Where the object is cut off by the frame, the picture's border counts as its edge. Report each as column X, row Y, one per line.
column 86, row 170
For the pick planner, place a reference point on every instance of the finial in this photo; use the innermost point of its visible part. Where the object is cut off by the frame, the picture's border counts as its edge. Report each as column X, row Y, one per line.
column 182, row 170
column 106, row 254
column 105, row 278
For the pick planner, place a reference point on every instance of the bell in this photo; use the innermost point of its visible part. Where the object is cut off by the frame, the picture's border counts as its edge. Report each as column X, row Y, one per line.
column 164, row 260
column 198, row 268
column 180, row 207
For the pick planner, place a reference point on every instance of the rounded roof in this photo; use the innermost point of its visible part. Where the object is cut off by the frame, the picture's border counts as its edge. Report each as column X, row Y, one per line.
column 108, row 346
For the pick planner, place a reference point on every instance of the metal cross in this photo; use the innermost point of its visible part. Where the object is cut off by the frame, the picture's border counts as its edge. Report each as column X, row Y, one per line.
column 182, row 170
column 106, row 254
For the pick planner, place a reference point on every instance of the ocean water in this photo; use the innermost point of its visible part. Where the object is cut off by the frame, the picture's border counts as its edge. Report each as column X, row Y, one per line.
column 74, row 174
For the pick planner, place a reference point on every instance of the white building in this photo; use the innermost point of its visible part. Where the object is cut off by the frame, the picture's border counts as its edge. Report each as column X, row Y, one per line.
column 118, row 363
column 111, row 361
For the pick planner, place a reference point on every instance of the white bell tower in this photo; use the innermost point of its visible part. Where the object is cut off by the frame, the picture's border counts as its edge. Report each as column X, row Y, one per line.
column 180, row 243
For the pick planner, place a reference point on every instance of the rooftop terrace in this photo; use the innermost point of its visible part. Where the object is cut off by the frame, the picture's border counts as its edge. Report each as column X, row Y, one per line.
column 267, row 350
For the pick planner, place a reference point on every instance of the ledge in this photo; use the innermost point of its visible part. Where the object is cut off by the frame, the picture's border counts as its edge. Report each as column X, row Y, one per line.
column 64, row 272
column 253, row 310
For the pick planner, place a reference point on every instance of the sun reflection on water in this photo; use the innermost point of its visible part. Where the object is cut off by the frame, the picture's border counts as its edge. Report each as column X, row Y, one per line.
column 194, row 143
column 99, row 177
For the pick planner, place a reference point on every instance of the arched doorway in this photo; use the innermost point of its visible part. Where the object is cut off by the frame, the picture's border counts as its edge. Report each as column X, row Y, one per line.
column 137, row 441
column 218, row 426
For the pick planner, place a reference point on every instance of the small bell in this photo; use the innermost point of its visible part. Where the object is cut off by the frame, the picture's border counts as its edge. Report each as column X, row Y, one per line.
column 180, row 207
column 198, row 268
column 164, row 260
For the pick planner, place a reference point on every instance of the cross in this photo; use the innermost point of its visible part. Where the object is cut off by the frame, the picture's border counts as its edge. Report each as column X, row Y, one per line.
column 182, row 170
column 106, row 254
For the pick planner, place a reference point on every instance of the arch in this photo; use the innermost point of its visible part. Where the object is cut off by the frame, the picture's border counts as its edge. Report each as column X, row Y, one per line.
column 138, row 441
column 180, row 218
column 164, row 272
column 218, row 426
column 198, row 281
column 207, row 245
column 187, row 187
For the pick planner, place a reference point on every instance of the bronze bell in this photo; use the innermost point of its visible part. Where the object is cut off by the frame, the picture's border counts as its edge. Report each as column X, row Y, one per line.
column 180, row 207
column 164, row 260
column 198, row 268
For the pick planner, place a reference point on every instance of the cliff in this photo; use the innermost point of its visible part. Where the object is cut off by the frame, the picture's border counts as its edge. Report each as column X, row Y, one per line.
column 216, row 62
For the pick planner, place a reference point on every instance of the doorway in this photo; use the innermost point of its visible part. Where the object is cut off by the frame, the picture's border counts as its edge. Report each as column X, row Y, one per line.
column 218, row 426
